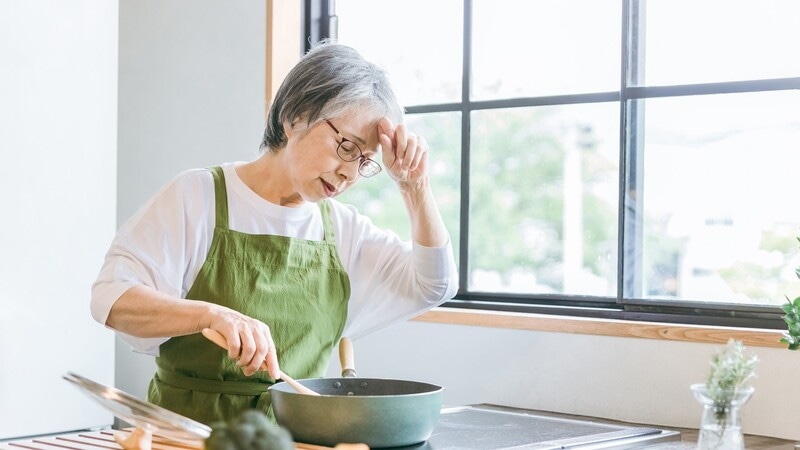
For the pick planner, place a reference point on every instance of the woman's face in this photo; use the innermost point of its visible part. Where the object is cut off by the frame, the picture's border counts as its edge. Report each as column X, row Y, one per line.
column 314, row 168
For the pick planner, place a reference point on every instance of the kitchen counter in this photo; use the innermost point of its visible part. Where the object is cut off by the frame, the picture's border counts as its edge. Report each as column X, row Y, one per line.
column 689, row 436
column 751, row 442
column 509, row 425
column 104, row 440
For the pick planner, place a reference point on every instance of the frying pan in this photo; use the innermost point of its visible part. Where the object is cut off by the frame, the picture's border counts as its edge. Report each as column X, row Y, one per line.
column 377, row 412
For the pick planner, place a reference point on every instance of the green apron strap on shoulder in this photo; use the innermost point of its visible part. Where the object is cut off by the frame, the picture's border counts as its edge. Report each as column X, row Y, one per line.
column 327, row 223
column 220, row 197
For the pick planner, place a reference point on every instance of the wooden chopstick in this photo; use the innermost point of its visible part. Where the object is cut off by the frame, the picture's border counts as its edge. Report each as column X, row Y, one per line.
column 302, row 446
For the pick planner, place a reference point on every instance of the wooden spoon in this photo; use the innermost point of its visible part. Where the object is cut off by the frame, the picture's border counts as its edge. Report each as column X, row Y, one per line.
column 217, row 338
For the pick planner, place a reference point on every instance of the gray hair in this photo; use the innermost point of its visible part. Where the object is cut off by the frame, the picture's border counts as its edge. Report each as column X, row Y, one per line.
column 329, row 81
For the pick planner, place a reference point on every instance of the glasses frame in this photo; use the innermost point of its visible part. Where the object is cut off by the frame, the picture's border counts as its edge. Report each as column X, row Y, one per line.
column 365, row 164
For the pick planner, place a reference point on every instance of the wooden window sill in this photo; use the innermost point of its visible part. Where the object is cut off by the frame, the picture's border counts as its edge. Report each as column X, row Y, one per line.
column 752, row 337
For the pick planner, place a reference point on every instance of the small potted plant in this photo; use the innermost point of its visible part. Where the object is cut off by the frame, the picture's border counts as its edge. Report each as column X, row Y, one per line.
column 726, row 389
column 791, row 336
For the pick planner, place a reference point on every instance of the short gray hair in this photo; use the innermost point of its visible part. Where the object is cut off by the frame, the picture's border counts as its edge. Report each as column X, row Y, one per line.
column 330, row 80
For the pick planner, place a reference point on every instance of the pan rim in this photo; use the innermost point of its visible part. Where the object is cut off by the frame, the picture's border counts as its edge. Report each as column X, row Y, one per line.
column 286, row 388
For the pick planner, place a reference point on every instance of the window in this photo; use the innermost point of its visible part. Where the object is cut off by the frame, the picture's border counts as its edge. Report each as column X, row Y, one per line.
column 631, row 159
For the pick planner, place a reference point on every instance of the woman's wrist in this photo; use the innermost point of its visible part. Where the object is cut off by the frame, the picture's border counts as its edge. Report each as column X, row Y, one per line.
column 418, row 187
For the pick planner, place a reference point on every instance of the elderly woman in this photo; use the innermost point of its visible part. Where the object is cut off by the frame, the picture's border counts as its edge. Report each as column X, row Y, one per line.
column 262, row 253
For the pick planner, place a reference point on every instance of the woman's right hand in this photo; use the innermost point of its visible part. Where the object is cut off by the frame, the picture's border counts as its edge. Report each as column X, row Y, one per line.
column 145, row 312
column 249, row 341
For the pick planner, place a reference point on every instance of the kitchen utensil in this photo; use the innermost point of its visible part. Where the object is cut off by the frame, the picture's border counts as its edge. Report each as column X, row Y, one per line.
column 217, row 338
column 346, row 358
column 139, row 439
column 373, row 411
column 142, row 414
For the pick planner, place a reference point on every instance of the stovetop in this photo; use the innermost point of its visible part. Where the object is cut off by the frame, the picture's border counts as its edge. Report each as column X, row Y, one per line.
column 490, row 427
column 476, row 427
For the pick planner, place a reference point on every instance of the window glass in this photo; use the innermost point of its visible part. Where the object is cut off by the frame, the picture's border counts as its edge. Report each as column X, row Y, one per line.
column 720, row 198
column 418, row 41
column 710, row 214
column 719, row 40
column 543, row 200
column 379, row 198
column 524, row 48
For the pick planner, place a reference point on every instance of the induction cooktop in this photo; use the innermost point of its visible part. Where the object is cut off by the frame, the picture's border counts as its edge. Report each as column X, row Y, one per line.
column 491, row 427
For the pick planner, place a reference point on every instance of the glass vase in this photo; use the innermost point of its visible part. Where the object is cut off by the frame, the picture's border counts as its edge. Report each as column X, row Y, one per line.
column 721, row 425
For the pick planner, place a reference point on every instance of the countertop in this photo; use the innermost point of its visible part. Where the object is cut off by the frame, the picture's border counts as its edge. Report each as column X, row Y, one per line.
column 689, row 436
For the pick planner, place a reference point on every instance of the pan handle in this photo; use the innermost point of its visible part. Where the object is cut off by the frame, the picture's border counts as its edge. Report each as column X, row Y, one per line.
column 346, row 358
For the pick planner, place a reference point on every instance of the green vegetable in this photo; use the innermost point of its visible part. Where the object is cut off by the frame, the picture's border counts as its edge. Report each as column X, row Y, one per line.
column 251, row 430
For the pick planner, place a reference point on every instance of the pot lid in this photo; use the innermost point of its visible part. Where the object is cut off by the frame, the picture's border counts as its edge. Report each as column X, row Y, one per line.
column 140, row 413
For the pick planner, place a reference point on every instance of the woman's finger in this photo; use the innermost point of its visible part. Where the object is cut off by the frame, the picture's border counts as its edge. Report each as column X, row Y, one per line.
column 273, row 368
column 387, row 150
column 401, row 142
column 234, row 345
column 410, row 151
column 248, row 350
column 262, row 346
column 268, row 353
column 421, row 153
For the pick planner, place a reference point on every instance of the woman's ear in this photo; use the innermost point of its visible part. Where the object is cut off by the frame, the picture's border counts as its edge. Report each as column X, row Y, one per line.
column 288, row 130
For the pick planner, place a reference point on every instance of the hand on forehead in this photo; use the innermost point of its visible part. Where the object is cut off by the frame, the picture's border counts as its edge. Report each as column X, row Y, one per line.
column 363, row 129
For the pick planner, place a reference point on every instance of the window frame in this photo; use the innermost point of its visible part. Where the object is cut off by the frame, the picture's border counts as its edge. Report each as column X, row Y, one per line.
column 321, row 22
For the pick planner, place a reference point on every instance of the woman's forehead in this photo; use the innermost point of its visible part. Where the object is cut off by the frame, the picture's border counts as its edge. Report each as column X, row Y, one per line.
column 360, row 128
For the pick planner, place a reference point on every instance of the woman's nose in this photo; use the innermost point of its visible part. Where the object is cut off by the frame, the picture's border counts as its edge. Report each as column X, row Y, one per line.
column 349, row 170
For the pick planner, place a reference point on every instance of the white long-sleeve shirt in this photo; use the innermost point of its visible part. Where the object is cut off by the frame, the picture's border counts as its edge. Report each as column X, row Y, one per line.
column 165, row 244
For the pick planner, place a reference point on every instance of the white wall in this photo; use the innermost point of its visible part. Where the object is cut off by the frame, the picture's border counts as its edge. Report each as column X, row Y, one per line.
column 191, row 94
column 58, row 131
column 628, row 379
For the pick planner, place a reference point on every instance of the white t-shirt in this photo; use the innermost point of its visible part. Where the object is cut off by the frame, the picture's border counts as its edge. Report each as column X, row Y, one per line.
column 166, row 242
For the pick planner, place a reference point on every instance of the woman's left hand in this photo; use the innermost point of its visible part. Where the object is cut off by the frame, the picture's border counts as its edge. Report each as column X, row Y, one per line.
column 405, row 155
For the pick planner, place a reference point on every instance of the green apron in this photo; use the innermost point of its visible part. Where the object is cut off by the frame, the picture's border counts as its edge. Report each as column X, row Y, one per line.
column 298, row 287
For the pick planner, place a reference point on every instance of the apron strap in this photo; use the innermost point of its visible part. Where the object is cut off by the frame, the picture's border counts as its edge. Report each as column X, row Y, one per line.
column 221, row 208
column 327, row 223
column 249, row 388
column 213, row 386
column 220, row 198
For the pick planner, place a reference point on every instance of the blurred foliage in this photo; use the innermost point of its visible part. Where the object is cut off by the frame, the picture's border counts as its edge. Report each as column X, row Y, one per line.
column 516, row 193
column 517, row 200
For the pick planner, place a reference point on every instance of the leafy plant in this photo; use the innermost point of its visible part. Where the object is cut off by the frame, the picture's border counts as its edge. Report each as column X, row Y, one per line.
column 791, row 336
column 731, row 368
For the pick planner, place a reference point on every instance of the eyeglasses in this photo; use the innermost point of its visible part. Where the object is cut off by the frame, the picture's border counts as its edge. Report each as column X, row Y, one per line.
column 350, row 151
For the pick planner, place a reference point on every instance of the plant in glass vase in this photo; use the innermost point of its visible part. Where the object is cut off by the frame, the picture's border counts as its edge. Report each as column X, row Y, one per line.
column 726, row 389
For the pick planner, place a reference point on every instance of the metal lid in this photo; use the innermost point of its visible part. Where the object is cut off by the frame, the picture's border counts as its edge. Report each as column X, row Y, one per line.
column 140, row 413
